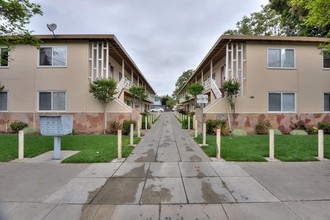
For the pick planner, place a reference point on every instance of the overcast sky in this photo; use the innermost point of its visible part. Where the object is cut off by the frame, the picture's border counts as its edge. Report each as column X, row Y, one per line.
column 163, row 37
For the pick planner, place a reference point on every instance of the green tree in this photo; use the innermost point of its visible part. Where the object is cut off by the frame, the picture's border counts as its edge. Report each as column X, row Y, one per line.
column 316, row 16
column 264, row 23
column 195, row 89
column 182, row 80
column 14, row 16
column 103, row 90
column 303, row 17
column 231, row 88
column 139, row 94
column 170, row 102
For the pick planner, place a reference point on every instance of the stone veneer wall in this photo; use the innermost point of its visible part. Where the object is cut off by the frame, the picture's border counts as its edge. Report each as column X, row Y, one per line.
column 83, row 122
column 248, row 121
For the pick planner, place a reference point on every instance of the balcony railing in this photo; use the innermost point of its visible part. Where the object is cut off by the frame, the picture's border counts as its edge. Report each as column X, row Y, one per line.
column 210, row 84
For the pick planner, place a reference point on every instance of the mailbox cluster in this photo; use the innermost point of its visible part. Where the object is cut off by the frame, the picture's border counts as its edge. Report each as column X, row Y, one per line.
column 57, row 126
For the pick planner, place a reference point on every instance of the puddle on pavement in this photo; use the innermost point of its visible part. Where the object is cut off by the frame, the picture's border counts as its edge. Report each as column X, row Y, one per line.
column 210, row 196
column 149, row 156
column 156, row 194
column 164, row 145
column 118, row 191
column 188, row 148
column 137, row 171
column 195, row 158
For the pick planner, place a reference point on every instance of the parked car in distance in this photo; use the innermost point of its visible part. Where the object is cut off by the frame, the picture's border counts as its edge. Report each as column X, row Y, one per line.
column 156, row 110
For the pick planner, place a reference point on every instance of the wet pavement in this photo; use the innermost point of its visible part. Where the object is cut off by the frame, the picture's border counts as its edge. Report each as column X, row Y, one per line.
column 166, row 177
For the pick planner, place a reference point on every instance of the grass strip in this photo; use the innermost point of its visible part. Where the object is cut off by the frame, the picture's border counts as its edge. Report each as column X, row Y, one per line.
column 255, row 147
column 93, row 148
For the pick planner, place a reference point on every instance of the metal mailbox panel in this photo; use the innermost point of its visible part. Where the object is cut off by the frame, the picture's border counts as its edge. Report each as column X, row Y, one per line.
column 56, row 125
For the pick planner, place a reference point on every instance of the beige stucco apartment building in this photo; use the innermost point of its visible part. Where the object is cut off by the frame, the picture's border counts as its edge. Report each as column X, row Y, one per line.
column 282, row 79
column 55, row 80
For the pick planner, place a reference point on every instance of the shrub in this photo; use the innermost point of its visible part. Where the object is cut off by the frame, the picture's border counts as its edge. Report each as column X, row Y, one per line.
column 212, row 125
column 262, row 127
column 299, row 125
column 29, row 130
column 239, row 132
column 324, row 126
column 298, row 132
column 277, row 132
column 312, row 130
column 127, row 126
column 185, row 123
column 17, row 126
column 114, row 127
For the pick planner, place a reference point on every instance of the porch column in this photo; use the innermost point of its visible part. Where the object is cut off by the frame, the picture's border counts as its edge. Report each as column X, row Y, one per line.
column 227, row 54
column 202, row 77
column 211, row 69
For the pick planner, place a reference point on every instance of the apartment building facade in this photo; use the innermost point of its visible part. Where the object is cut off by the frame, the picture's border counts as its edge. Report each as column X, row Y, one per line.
column 55, row 78
column 282, row 79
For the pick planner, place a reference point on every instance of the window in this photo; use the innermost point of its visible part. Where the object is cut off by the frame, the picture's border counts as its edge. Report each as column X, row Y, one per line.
column 326, row 60
column 52, row 101
column 52, row 56
column 281, row 58
column 3, row 101
column 281, row 102
column 4, row 57
column 327, row 102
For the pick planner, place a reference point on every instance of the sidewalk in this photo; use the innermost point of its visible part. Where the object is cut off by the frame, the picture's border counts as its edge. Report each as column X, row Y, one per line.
column 166, row 177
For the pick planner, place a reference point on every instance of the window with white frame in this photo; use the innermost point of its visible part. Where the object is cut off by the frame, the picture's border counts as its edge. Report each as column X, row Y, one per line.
column 281, row 58
column 52, row 101
column 327, row 102
column 281, row 102
column 3, row 101
column 326, row 60
column 52, row 56
column 4, row 57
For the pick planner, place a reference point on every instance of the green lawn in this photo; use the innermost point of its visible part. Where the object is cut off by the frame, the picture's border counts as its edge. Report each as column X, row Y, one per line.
column 94, row 148
column 255, row 147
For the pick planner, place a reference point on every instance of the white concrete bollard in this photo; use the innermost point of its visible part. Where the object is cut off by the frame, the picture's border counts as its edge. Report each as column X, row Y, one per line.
column 188, row 122
column 21, row 145
column 193, row 121
column 196, row 128
column 146, row 122
column 131, row 134
column 320, row 145
column 119, row 144
column 204, row 134
column 218, row 141
column 139, row 127
column 271, row 144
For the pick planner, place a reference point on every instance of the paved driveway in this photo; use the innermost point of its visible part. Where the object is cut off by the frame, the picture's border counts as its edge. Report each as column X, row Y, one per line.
column 166, row 177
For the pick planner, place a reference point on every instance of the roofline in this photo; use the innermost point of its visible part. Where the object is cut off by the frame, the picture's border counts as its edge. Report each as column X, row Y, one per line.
column 94, row 37
column 244, row 38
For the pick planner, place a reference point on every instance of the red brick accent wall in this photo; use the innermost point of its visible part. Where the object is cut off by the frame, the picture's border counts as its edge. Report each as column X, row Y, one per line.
column 83, row 122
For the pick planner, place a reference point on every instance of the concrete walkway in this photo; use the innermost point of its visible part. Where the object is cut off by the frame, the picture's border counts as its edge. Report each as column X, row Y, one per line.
column 166, row 177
